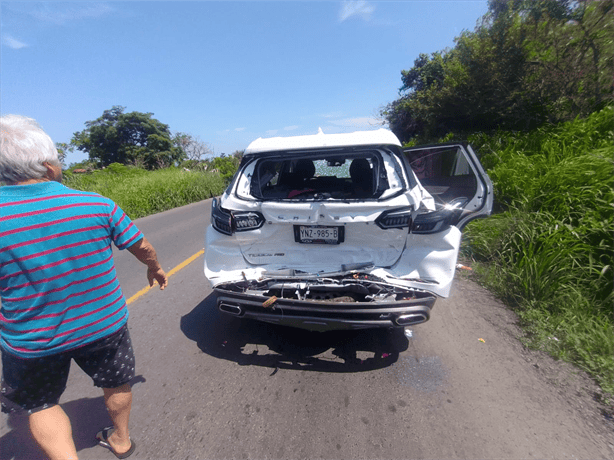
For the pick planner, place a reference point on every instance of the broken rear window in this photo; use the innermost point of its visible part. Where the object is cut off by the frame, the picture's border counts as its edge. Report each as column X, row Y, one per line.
column 318, row 177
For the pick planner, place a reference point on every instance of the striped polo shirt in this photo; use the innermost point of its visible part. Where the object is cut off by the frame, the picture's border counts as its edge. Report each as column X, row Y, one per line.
column 58, row 284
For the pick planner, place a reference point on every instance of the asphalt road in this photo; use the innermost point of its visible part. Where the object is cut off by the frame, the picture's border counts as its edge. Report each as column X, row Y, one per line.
column 211, row 387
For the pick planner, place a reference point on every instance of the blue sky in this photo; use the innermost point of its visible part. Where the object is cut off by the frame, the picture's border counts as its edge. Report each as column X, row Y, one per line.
column 227, row 72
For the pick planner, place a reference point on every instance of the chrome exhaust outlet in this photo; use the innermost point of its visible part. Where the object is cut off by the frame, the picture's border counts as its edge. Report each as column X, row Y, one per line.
column 235, row 310
column 413, row 318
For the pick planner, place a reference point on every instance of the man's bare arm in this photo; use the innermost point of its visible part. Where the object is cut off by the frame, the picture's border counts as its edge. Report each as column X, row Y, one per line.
column 145, row 252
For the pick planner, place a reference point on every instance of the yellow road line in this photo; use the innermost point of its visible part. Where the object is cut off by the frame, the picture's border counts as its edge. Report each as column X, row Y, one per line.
column 183, row 264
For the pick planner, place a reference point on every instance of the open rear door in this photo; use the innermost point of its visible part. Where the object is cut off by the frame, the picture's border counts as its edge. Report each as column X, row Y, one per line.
column 462, row 191
column 453, row 175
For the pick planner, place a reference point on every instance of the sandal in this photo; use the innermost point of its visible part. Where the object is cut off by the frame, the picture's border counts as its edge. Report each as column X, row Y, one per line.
column 103, row 439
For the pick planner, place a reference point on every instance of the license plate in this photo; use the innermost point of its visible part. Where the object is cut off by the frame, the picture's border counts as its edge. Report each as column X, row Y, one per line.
column 318, row 234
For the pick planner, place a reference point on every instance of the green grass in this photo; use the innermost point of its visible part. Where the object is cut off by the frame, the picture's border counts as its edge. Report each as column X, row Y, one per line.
column 141, row 193
column 549, row 250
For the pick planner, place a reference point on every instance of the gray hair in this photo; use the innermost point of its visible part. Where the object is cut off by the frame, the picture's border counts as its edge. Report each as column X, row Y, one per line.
column 24, row 147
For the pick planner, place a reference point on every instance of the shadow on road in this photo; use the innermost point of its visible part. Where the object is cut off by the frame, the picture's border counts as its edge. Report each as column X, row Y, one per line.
column 254, row 343
column 87, row 416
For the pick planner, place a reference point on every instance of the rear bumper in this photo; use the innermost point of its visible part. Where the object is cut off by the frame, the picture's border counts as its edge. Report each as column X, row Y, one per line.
column 329, row 315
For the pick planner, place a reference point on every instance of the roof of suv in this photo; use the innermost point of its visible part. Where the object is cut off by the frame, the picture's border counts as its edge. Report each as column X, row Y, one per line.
column 321, row 140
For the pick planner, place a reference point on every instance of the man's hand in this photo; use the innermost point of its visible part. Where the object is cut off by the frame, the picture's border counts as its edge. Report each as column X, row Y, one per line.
column 145, row 252
column 157, row 275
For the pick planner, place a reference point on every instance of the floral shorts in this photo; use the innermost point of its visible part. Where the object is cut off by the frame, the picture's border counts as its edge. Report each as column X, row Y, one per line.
column 35, row 384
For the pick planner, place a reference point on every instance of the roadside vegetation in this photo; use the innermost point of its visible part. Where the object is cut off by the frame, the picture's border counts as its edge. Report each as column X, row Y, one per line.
column 527, row 63
column 135, row 160
column 140, row 192
column 531, row 89
column 548, row 251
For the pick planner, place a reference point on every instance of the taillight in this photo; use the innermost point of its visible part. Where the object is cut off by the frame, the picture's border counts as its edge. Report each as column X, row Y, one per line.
column 248, row 220
column 221, row 219
column 396, row 218
column 228, row 222
column 438, row 221
column 431, row 222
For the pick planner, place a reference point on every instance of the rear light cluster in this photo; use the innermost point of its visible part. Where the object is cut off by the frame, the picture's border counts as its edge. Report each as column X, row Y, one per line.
column 396, row 218
column 247, row 220
column 438, row 221
column 228, row 222
column 430, row 222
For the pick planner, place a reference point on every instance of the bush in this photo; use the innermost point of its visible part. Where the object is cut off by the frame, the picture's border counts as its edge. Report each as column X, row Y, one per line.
column 141, row 193
column 550, row 251
column 227, row 167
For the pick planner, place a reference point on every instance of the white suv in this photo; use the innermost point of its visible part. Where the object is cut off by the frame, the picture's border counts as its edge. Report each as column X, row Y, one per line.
column 342, row 231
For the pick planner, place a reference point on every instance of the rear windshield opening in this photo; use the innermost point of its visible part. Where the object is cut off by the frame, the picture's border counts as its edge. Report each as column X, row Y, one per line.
column 337, row 177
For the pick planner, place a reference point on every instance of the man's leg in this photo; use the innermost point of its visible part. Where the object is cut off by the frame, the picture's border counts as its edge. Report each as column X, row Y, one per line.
column 52, row 431
column 35, row 386
column 119, row 403
column 110, row 364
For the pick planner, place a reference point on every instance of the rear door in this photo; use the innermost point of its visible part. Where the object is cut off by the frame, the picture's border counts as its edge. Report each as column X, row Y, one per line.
column 455, row 178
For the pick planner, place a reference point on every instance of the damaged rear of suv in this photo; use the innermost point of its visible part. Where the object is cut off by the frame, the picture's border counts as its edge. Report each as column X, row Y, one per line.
column 342, row 231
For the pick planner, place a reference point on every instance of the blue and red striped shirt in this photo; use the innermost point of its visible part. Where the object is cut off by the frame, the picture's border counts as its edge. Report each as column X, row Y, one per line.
column 58, row 284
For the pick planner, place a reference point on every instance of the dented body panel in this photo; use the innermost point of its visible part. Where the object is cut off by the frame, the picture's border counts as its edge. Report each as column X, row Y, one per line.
column 334, row 236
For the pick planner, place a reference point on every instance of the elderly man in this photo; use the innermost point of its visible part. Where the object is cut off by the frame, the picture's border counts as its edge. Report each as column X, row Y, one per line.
column 61, row 299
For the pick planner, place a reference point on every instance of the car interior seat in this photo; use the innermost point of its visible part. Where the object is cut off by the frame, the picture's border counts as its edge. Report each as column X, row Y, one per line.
column 304, row 169
column 298, row 179
column 362, row 177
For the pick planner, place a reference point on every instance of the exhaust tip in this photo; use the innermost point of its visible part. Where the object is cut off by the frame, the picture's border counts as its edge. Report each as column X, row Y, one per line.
column 235, row 310
column 413, row 318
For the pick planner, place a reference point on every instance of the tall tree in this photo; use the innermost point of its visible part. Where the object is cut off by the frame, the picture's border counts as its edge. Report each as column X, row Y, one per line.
column 529, row 62
column 63, row 149
column 192, row 146
column 128, row 138
column 570, row 56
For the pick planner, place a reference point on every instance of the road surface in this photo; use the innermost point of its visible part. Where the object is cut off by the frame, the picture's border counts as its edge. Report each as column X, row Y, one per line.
column 211, row 387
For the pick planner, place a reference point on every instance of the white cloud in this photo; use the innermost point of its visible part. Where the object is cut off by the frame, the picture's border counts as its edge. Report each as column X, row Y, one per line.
column 291, row 128
column 358, row 122
column 62, row 13
column 13, row 43
column 331, row 115
column 351, row 8
column 55, row 13
column 239, row 129
column 333, row 130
